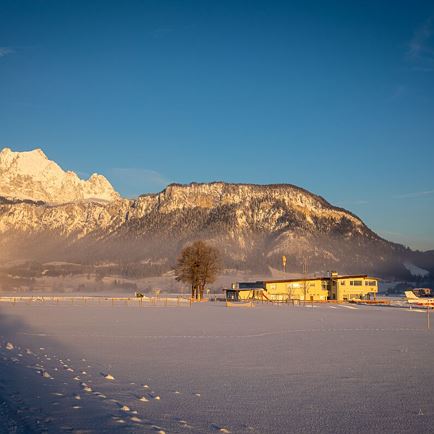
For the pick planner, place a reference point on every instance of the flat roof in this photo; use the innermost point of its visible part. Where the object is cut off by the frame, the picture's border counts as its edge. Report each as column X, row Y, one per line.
column 302, row 279
column 258, row 288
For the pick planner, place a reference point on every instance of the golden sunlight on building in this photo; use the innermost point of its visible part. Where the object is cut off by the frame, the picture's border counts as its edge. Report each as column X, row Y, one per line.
column 332, row 287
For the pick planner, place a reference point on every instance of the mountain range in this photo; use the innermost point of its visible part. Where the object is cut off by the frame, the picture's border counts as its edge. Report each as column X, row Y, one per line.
column 47, row 214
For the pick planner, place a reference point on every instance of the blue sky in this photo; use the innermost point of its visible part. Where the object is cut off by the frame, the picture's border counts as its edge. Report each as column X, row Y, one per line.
column 336, row 97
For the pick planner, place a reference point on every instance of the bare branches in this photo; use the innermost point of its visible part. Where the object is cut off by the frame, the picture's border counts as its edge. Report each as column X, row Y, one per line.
column 198, row 265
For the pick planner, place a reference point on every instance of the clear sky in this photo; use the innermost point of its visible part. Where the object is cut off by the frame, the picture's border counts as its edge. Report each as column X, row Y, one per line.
column 336, row 97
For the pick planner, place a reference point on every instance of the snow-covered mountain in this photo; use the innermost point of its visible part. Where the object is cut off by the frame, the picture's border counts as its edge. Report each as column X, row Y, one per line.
column 252, row 225
column 32, row 176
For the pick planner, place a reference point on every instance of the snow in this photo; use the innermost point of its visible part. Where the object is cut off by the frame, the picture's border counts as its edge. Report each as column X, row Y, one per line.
column 263, row 370
column 415, row 270
column 31, row 175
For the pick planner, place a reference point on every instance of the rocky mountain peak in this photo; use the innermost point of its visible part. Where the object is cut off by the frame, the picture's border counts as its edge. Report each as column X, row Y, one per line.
column 252, row 225
column 251, row 196
column 31, row 175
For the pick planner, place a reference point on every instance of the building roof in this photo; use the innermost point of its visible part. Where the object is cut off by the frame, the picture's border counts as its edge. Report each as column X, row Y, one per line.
column 244, row 289
column 302, row 279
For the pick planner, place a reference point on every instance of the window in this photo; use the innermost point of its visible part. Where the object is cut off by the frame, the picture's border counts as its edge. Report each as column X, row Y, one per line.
column 342, row 282
column 356, row 282
column 371, row 283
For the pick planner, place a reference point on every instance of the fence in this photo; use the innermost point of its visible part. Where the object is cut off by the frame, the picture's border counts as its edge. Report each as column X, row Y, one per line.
column 99, row 300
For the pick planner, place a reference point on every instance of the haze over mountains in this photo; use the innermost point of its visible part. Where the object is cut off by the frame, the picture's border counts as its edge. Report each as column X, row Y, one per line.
column 47, row 214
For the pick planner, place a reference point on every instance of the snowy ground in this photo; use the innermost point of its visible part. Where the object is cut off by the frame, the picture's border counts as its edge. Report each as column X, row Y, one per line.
column 208, row 368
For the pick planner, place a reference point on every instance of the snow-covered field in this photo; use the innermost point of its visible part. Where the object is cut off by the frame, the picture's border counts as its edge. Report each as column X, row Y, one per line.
column 268, row 369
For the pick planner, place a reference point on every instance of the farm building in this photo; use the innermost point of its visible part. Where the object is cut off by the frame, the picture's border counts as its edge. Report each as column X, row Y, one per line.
column 332, row 287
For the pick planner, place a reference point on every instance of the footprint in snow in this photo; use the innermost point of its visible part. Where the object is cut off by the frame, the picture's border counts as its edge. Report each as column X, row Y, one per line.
column 135, row 419
column 86, row 388
column 9, row 346
column 76, row 396
column 107, row 376
column 144, row 399
column 184, row 424
column 218, row 428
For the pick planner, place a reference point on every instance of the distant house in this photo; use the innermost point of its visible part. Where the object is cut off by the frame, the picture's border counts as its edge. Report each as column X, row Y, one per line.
column 332, row 287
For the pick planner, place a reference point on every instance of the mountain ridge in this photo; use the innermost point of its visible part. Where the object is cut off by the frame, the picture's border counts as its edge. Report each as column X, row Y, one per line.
column 252, row 225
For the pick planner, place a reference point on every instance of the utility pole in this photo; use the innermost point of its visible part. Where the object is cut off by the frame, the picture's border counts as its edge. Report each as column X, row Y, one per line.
column 305, row 266
column 305, row 284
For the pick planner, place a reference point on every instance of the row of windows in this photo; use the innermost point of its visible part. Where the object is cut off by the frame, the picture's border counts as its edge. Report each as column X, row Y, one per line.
column 324, row 284
column 360, row 282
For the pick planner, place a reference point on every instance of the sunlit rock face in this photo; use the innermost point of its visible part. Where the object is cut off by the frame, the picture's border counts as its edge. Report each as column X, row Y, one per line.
column 31, row 175
column 251, row 230
column 252, row 225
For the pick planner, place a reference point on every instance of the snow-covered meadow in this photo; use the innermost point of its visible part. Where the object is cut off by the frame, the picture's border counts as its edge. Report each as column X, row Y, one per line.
column 268, row 369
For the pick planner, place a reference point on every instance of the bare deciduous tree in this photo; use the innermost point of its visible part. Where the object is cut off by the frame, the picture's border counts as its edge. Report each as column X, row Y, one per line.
column 198, row 265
